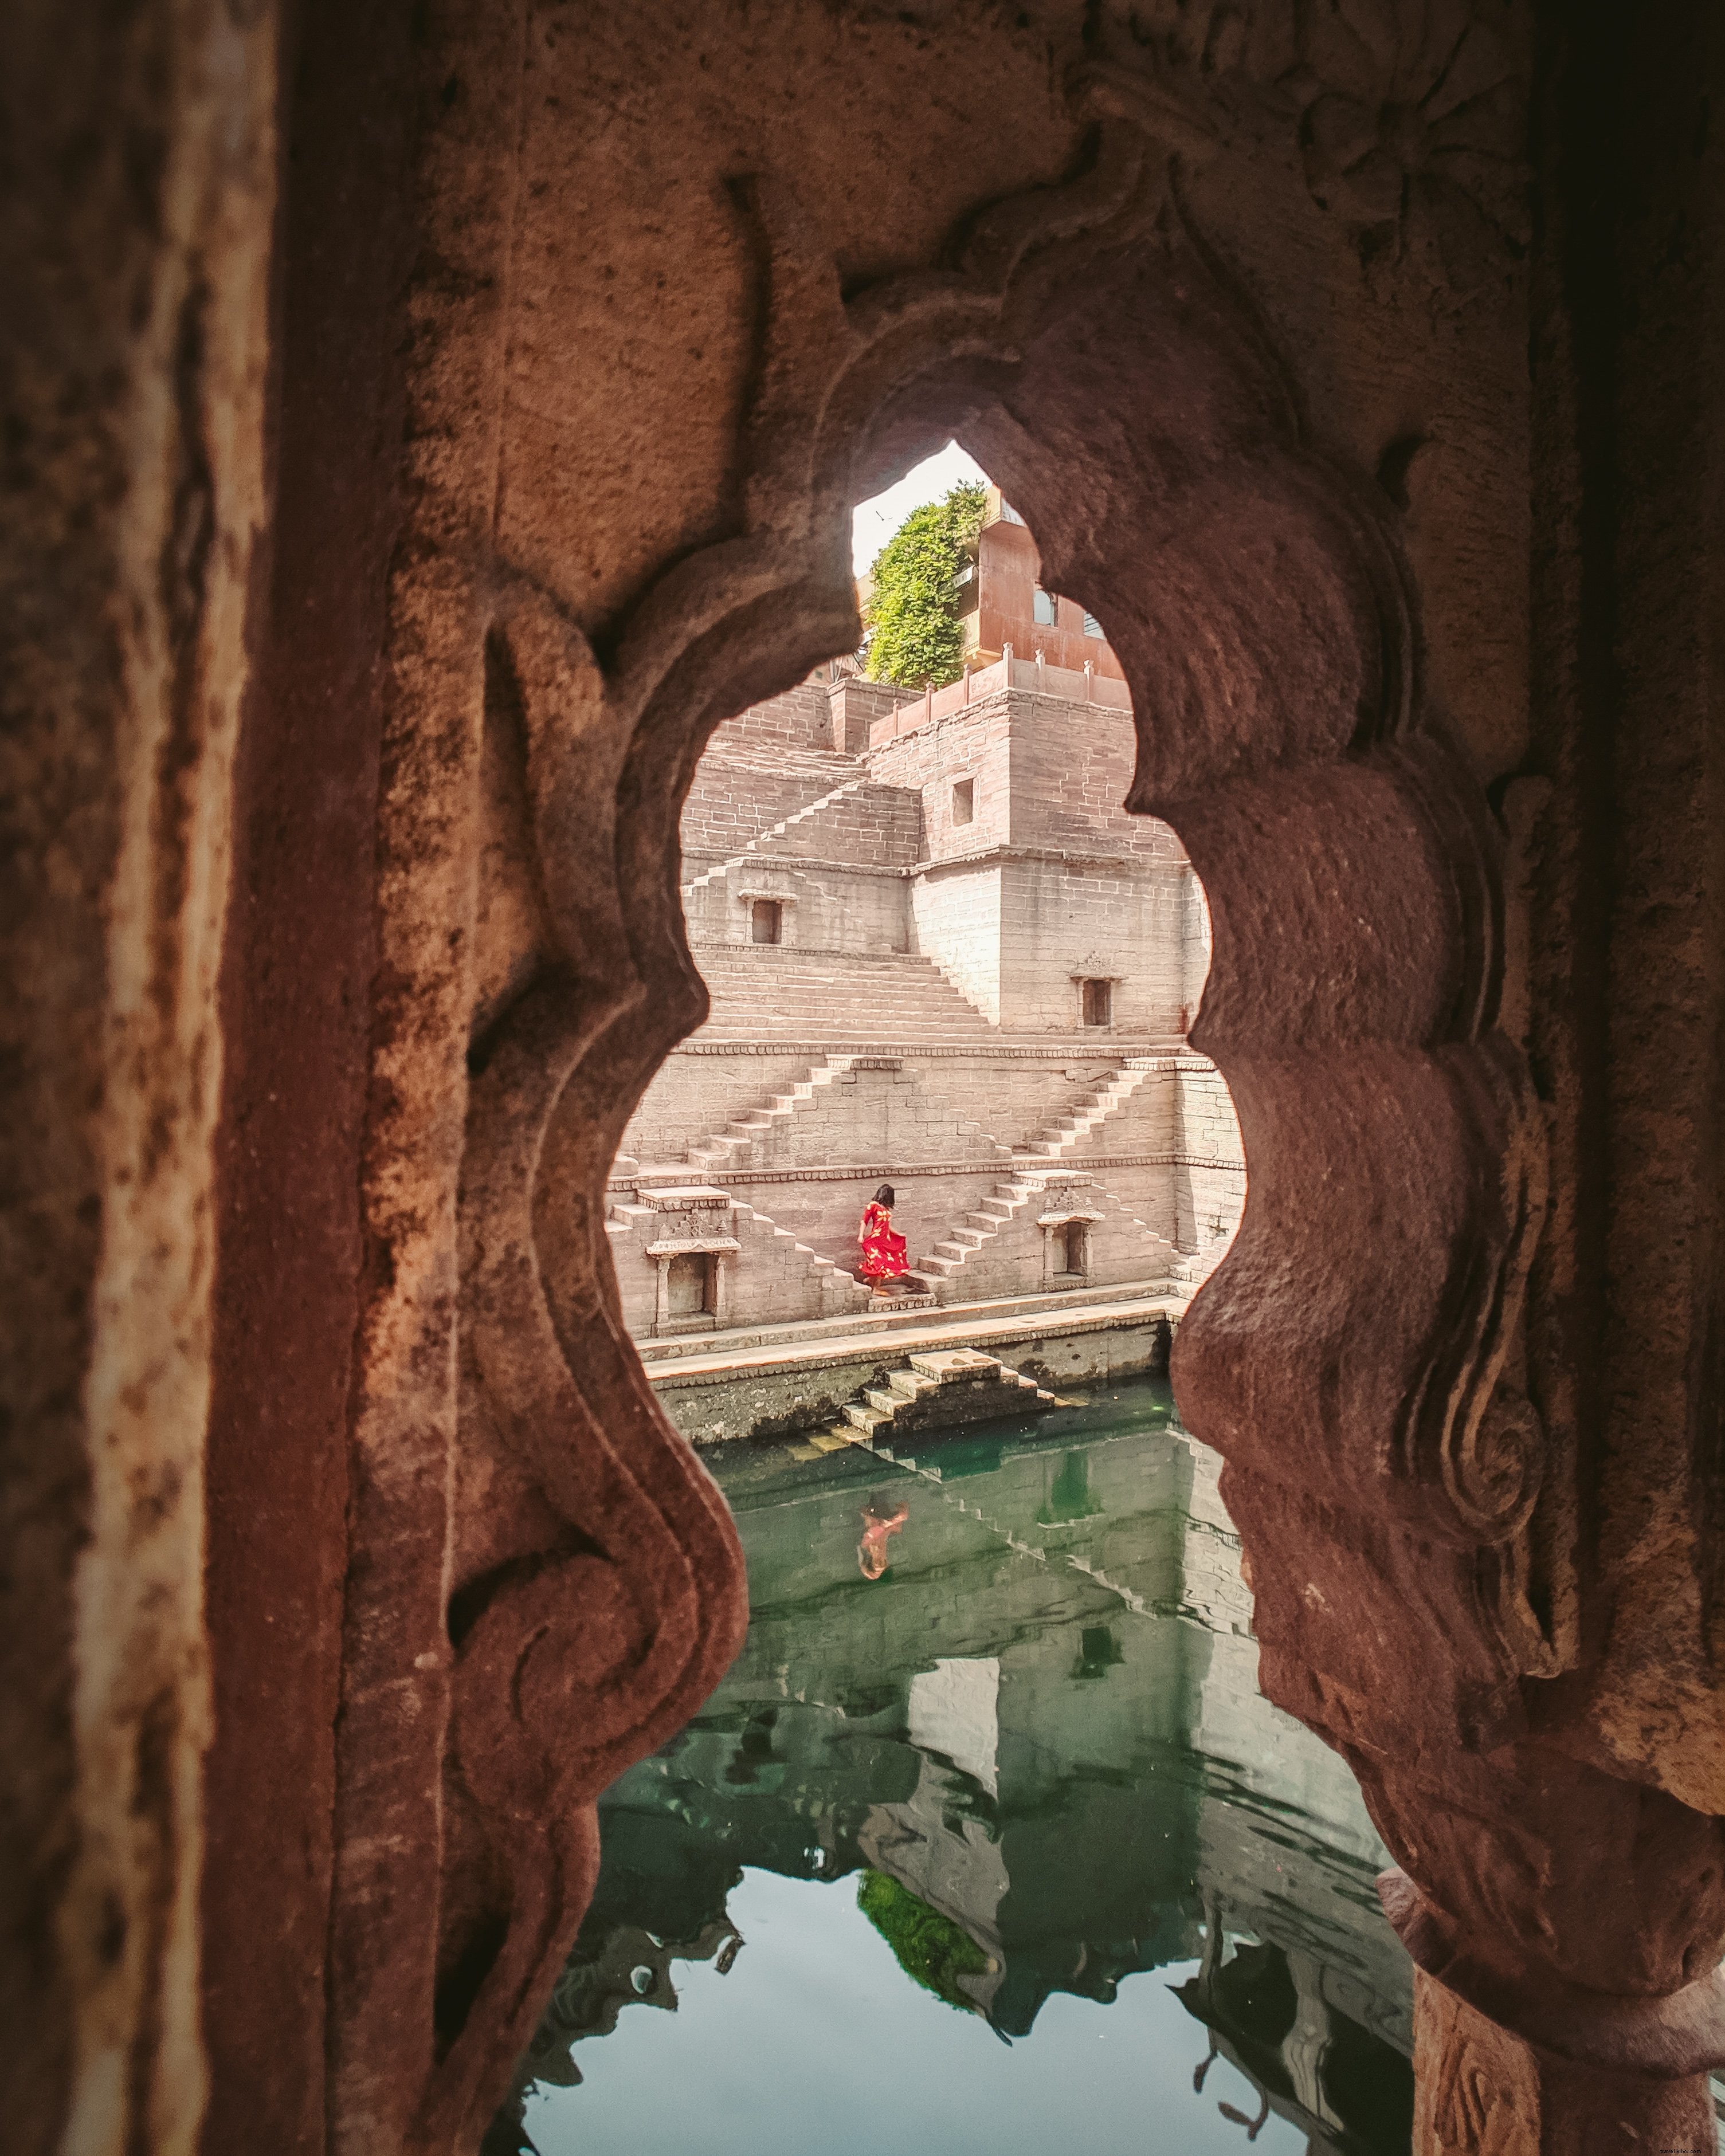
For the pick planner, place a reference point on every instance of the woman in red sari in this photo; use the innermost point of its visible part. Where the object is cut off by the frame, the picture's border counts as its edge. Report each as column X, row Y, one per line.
column 883, row 1253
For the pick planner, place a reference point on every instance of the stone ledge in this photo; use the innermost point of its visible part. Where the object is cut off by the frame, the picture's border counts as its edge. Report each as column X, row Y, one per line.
column 1000, row 1164
column 1163, row 1055
column 851, row 1341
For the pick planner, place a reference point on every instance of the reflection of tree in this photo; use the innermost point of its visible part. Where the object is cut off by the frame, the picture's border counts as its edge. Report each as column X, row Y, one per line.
column 931, row 1949
column 1069, row 1496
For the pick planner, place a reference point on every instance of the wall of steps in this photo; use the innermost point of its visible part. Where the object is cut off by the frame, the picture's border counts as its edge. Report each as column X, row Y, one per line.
column 760, row 991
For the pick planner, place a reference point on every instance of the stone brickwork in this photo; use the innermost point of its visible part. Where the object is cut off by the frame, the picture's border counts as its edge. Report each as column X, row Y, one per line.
column 948, row 872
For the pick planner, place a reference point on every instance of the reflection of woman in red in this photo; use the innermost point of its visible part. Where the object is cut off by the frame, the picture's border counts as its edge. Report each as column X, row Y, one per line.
column 883, row 1253
column 881, row 1519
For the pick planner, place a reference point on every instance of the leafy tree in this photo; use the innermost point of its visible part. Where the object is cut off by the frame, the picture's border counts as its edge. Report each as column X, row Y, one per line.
column 914, row 634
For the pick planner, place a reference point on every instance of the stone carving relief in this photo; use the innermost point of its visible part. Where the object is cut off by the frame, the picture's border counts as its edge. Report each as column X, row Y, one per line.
column 1408, row 117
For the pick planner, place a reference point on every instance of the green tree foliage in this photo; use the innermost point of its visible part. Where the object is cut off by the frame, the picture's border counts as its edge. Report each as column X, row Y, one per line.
column 913, row 634
column 931, row 1949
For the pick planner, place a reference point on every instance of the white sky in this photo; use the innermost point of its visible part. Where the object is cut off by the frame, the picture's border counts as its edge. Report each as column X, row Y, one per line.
column 874, row 522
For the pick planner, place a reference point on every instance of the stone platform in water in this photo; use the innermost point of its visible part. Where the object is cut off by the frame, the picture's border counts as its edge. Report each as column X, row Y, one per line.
column 791, row 1381
column 942, row 1389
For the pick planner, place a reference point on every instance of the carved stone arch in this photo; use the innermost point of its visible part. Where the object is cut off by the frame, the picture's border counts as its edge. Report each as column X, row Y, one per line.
column 1127, row 399
column 1355, row 1356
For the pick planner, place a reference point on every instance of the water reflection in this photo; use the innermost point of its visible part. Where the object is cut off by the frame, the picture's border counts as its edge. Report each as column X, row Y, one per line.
column 1019, row 1763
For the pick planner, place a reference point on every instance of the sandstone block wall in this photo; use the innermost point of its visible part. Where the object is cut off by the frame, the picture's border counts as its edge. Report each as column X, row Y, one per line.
column 695, row 1095
column 828, row 905
column 853, row 706
column 1061, row 921
column 869, row 826
column 1209, row 1179
column 956, row 921
column 876, row 1113
column 971, row 742
column 736, row 797
column 1072, row 767
column 799, row 719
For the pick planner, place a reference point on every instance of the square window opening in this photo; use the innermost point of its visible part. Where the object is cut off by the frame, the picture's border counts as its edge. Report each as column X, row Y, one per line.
column 1072, row 1249
column 1098, row 1003
column 692, row 1283
column 766, row 922
column 965, row 801
column 1042, row 608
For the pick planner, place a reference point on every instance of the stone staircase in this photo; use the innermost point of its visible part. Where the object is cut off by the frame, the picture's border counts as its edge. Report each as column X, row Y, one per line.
column 765, row 992
column 1179, row 1267
column 1058, row 1140
column 948, row 1258
column 940, row 1390
column 750, row 852
column 841, row 1290
column 735, row 1145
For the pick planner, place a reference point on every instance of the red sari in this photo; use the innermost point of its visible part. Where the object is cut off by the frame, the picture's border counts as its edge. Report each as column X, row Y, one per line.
column 883, row 1253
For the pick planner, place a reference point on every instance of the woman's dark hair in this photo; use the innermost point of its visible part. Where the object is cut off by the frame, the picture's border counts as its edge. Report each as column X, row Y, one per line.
column 884, row 1196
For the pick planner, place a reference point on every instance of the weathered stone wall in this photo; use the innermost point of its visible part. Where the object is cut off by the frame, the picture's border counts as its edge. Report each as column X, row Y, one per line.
column 955, row 916
column 135, row 260
column 828, row 905
column 1063, row 921
column 974, row 742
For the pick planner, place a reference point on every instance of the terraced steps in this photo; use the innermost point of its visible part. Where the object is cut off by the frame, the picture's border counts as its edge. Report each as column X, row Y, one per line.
column 751, row 851
column 1056, row 1141
column 948, row 1258
column 767, row 991
column 736, row 1144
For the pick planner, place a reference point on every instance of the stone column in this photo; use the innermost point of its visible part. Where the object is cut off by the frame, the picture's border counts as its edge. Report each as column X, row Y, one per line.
column 1481, row 2092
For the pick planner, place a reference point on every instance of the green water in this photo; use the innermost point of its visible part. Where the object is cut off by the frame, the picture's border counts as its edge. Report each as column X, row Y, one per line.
column 997, row 1849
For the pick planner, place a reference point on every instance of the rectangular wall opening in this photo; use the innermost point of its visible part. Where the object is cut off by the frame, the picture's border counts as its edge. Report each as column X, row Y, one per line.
column 766, row 922
column 1072, row 1249
column 691, row 1279
column 965, row 801
column 1098, row 998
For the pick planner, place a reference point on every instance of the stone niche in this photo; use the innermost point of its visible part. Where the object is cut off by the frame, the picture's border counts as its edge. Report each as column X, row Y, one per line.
column 1067, row 1223
column 695, row 1248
